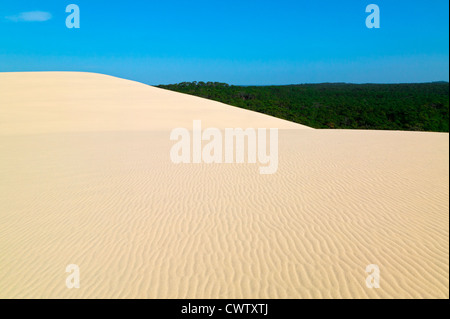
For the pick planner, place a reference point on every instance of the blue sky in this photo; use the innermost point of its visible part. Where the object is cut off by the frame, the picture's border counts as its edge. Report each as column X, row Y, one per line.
column 238, row 42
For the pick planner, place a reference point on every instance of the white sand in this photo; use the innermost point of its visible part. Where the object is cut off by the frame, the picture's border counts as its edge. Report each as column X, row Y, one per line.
column 86, row 179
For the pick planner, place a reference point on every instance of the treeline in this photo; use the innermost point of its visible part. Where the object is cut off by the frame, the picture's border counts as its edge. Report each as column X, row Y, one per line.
column 412, row 107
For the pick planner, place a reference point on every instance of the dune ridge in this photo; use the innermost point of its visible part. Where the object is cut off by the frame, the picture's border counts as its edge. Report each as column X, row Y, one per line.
column 89, row 102
column 86, row 179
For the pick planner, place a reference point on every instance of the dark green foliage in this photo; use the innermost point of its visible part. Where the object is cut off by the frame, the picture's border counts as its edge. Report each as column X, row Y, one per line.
column 412, row 107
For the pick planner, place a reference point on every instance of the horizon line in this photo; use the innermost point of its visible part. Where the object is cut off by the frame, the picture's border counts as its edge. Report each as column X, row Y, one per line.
column 242, row 85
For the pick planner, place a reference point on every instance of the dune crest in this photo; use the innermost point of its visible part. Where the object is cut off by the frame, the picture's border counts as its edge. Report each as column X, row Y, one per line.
column 77, row 102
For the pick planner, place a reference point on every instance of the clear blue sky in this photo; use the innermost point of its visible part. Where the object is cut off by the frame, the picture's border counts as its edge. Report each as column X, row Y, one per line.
column 238, row 42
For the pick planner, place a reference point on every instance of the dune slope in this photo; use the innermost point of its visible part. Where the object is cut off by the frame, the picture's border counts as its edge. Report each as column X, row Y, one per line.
column 86, row 179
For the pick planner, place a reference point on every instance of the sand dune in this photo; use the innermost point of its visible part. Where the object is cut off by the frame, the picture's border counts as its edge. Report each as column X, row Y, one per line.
column 86, row 179
column 49, row 102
